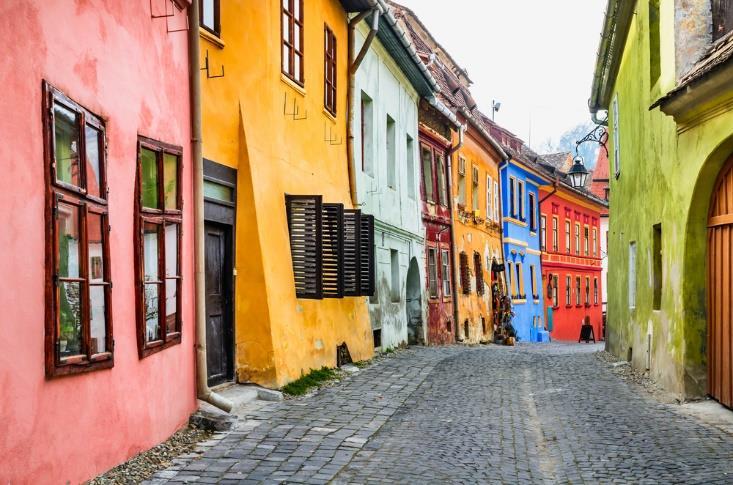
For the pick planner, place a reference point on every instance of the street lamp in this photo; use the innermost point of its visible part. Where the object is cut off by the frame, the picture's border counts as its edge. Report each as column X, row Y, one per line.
column 578, row 173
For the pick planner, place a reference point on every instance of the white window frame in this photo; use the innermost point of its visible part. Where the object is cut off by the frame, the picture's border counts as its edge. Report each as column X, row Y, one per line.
column 496, row 200
column 616, row 137
column 632, row 275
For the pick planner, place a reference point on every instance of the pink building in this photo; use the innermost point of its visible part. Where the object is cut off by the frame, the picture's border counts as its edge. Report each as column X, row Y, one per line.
column 97, row 322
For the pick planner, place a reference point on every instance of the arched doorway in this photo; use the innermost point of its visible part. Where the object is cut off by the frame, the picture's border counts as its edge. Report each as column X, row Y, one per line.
column 720, row 293
column 414, row 305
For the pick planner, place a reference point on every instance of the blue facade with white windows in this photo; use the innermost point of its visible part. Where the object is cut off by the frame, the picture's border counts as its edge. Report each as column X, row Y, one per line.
column 522, row 254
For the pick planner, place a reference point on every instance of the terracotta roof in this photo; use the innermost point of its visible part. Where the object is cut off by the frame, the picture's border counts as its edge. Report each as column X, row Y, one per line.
column 719, row 53
column 561, row 161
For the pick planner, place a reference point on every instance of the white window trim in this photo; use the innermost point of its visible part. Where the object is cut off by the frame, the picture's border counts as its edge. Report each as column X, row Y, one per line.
column 616, row 138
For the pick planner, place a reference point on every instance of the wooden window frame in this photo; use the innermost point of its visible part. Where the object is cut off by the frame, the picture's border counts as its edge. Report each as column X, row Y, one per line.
column 577, row 239
column 160, row 217
column 479, row 273
column 568, row 291
column 445, row 276
column 512, row 197
column 587, row 291
column 433, row 271
column 578, row 292
column 543, row 232
column 330, row 84
column 568, row 237
column 555, row 296
column 216, row 30
column 555, row 236
column 532, row 213
column 286, row 43
column 465, row 273
column 595, row 291
column 595, row 242
column 586, row 241
column 58, row 192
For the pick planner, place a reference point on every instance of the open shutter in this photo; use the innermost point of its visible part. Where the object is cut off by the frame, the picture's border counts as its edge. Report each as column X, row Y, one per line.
column 351, row 266
column 465, row 277
column 478, row 267
column 366, row 256
column 304, row 214
column 333, row 250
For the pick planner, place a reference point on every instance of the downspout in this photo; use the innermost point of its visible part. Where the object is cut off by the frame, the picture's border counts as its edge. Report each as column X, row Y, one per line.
column 350, row 101
column 449, row 157
column 503, row 164
column 202, row 386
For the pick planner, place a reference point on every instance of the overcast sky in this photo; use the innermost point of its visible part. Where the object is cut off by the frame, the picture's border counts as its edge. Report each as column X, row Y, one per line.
column 534, row 56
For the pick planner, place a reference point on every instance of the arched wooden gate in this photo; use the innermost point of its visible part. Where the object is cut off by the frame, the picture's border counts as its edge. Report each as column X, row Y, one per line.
column 720, row 293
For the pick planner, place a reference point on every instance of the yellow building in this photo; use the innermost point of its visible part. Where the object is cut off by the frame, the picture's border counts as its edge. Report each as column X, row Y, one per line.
column 274, row 95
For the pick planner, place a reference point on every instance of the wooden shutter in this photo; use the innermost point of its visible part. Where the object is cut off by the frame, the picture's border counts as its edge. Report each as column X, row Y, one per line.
column 304, row 214
column 333, row 250
column 351, row 266
column 465, row 277
column 479, row 273
column 367, row 265
column 722, row 18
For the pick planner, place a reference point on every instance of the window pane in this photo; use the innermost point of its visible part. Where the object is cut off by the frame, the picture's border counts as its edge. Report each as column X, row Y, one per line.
column 149, row 178
column 427, row 172
column 207, row 14
column 66, row 132
column 95, row 240
column 443, row 194
column 170, row 180
column 98, row 318
column 94, row 176
column 296, row 9
column 296, row 38
column 69, row 234
column 432, row 273
column 286, row 59
column 171, row 250
column 152, row 327
column 150, row 251
column 296, row 67
column 69, row 318
column 212, row 190
column 171, row 305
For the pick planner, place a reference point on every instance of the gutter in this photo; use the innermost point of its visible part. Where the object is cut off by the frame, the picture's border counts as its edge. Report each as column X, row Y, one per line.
column 202, row 386
column 449, row 183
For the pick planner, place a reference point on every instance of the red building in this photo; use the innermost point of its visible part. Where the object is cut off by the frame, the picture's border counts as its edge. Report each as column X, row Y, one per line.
column 570, row 236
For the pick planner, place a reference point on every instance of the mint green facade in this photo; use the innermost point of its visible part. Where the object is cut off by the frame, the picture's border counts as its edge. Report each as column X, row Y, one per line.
column 668, row 168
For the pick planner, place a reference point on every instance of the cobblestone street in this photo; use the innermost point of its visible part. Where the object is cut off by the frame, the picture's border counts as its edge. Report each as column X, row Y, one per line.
column 533, row 414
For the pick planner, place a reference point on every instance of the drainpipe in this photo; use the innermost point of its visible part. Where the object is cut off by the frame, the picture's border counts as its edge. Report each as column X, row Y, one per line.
column 202, row 386
column 350, row 101
column 503, row 164
column 554, row 189
column 449, row 157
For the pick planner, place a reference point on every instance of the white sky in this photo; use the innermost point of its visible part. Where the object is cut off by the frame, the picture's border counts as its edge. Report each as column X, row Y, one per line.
column 534, row 56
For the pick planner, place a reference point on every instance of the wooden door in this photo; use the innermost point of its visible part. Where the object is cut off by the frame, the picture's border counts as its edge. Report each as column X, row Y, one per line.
column 720, row 294
column 219, row 332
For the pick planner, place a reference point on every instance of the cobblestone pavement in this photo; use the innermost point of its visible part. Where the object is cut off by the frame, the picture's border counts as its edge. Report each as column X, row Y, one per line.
column 534, row 414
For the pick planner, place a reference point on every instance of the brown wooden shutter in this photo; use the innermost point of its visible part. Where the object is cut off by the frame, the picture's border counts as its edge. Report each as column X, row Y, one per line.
column 367, row 265
column 722, row 18
column 333, row 250
column 465, row 277
column 479, row 273
column 351, row 265
column 304, row 214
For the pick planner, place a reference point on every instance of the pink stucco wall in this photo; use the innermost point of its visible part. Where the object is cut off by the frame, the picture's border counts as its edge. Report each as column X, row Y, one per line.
column 113, row 58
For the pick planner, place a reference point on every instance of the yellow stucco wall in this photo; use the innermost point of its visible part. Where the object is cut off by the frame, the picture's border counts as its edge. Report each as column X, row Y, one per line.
column 474, row 235
column 246, row 125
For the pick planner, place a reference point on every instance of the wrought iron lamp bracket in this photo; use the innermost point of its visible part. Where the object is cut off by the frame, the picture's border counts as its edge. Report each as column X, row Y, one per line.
column 597, row 135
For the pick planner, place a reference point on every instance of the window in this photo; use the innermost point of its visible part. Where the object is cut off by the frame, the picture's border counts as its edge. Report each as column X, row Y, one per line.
column 367, row 134
column 520, row 200
column 568, row 289
column 474, row 189
column 567, row 237
column 532, row 282
column 432, row 273
column 543, row 233
column 616, row 137
column 520, row 281
column 391, row 153
column 292, row 40
column 577, row 238
column 427, row 173
column 657, row 265
column 532, row 213
column 496, row 201
column 578, row 300
column 722, row 18
column 409, row 150
column 462, row 181
column 587, row 291
column 465, row 276
column 78, row 324
column 511, row 283
column 654, row 43
column 332, row 249
column 512, row 198
column 632, row 275
column 210, row 16
column 158, row 245
column 595, row 241
column 477, row 267
column 555, row 302
column 585, row 240
column 329, row 71
column 394, row 259
column 595, row 291
column 442, row 185
column 445, row 271
column 489, row 209
column 554, row 234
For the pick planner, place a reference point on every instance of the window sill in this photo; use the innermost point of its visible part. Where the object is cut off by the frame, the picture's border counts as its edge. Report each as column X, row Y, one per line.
column 329, row 115
column 98, row 362
column 289, row 82
column 211, row 37
column 155, row 347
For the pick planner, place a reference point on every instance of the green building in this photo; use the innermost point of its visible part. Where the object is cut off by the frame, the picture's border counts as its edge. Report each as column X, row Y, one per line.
column 664, row 75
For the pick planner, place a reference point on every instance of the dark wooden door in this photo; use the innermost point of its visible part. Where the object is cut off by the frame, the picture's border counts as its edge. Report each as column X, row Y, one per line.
column 219, row 331
column 720, row 293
